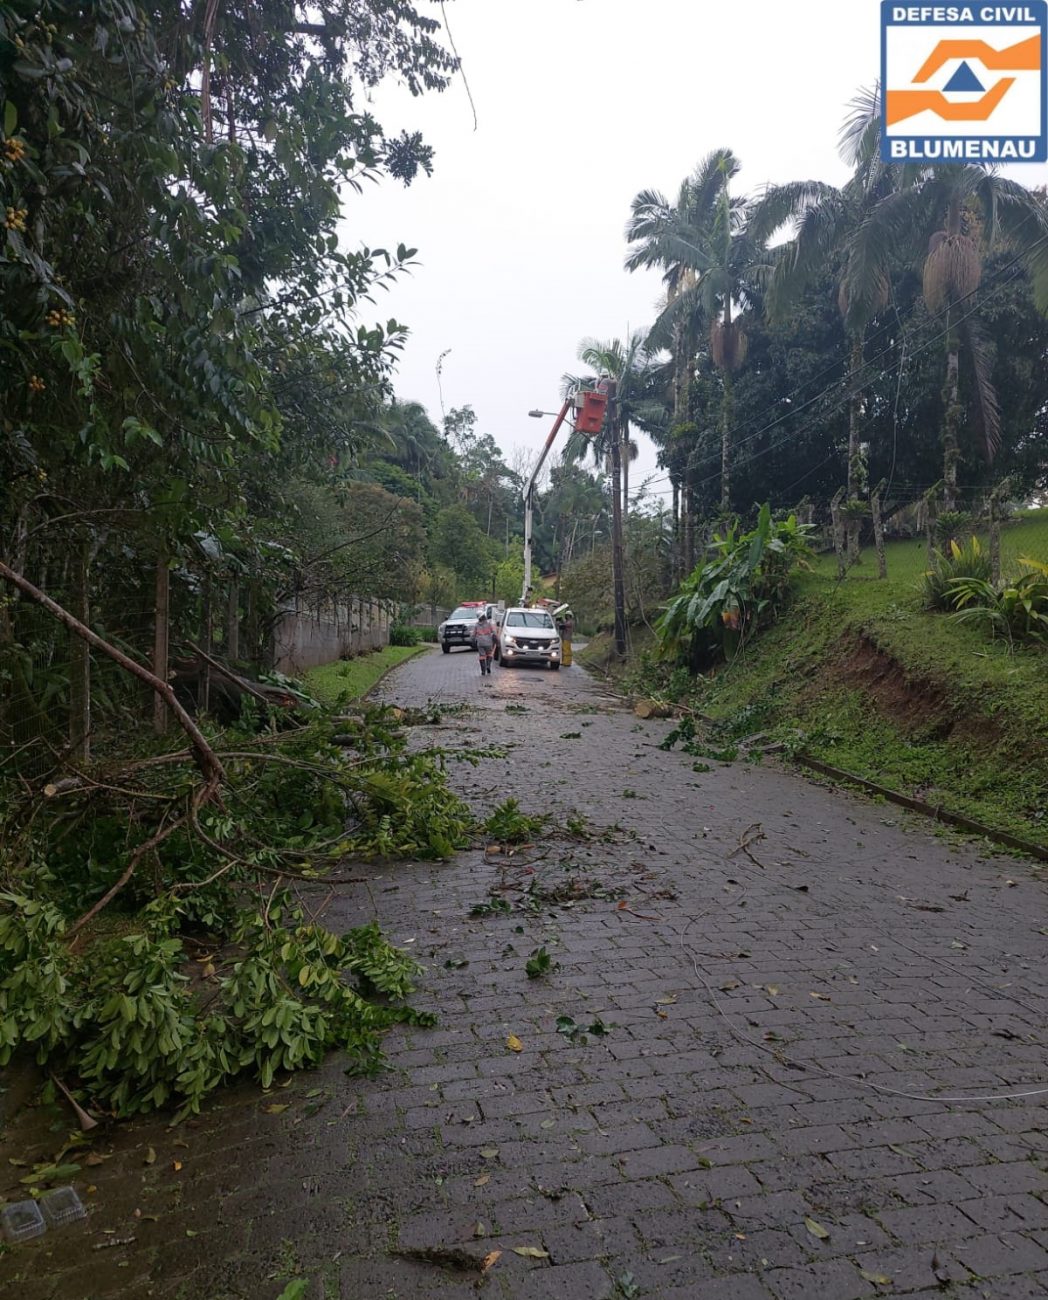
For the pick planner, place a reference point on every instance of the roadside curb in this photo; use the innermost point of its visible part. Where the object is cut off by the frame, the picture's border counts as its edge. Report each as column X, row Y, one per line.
column 415, row 652
column 932, row 811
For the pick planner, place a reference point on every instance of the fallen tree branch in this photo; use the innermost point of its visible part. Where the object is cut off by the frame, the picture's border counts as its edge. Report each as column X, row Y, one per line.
column 146, row 847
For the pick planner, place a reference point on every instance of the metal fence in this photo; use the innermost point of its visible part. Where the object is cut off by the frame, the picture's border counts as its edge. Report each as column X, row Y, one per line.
column 62, row 701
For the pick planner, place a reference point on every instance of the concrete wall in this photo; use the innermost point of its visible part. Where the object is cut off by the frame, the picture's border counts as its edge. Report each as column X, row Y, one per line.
column 305, row 637
column 428, row 616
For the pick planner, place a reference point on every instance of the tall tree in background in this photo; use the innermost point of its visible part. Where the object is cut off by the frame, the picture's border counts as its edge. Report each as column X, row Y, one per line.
column 680, row 239
column 949, row 218
column 827, row 221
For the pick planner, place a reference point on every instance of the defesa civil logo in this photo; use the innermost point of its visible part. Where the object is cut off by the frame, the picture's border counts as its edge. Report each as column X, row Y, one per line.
column 964, row 83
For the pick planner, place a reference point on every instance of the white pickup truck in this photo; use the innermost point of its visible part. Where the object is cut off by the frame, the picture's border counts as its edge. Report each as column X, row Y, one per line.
column 528, row 636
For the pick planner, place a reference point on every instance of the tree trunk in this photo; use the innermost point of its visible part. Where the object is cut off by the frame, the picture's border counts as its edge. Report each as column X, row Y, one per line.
column 207, row 615
column 233, row 620
column 997, row 497
column 689, row 529
column 838, row 532
column 928, row 508
column 727, row 405
column 80, row 663
column 161, row 629
column 626, row 472
column 855, row 465
column 618, row 581
column 878, row 529
column 951, row 451
column 680, row 371
column 675, row 559
column 251, row 623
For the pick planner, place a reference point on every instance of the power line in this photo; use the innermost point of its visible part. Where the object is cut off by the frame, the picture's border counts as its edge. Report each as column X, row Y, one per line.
column 845, row 379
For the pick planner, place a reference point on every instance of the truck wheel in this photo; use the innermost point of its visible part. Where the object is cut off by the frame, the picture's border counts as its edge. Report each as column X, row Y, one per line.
column 555, row 667
column 445, row 647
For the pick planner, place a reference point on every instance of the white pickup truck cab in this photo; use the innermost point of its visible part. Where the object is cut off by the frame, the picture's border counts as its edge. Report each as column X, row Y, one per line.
column 528, row 636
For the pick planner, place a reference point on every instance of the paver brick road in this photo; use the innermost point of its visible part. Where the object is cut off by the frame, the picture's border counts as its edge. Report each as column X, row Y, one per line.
column 771, row 1112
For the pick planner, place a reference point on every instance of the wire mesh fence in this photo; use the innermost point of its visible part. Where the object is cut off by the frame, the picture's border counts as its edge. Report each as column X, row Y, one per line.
column 64, row 701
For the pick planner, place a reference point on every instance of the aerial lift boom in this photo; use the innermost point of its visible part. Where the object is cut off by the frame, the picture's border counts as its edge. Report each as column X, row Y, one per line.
column 590, row 408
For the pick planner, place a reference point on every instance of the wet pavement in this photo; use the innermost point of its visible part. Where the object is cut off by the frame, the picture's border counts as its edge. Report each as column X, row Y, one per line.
column 779, row 1056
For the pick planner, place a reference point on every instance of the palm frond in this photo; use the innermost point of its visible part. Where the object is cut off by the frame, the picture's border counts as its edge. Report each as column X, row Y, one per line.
column 781, row 205
column 1022, row 224
column 686, row 309
column 888, row 228
column 987, row 408
column 577, row 448
column 859, row 140
column 708, row 179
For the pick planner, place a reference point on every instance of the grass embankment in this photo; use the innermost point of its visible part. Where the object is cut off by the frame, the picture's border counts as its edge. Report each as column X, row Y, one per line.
column 859, row 675
column 349, row 679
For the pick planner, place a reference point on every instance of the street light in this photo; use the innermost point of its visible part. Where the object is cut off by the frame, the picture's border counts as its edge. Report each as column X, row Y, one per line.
column 537, row 415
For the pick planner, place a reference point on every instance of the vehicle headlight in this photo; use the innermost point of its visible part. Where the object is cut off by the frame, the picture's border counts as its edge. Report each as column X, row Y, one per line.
column 510, row 640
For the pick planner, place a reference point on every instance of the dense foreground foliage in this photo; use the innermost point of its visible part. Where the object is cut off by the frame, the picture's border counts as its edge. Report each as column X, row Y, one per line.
column 210, row 958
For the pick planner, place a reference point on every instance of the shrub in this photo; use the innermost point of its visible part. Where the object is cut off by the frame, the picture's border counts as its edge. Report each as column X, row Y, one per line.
column 952, row 564
column 950, row 525
column 428, row 634
column 728, row 597
column 402, row 634
column 1016, row 610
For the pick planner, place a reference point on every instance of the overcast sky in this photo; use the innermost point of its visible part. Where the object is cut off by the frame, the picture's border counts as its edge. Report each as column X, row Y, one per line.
column 580, row 104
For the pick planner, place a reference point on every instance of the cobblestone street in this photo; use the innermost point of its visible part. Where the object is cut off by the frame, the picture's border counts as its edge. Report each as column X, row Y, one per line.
column 781, row 1055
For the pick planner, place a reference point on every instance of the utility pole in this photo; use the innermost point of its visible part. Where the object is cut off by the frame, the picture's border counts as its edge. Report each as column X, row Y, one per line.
column 617, row 557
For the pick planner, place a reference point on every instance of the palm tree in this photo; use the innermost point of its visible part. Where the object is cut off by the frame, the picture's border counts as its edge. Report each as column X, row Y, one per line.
column 699, row 242
column 949, row 217
column 673, row 237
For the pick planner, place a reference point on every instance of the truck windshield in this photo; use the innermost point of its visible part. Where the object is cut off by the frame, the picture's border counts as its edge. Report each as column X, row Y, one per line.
column 528, row 618
column 463, row 612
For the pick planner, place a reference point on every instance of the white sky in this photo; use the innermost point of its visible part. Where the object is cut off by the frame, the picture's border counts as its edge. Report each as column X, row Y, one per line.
column 581, row 104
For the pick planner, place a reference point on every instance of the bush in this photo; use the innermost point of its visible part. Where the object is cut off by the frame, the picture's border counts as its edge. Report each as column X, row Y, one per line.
column 429, row 635
column 727, row 598
column 1016, row 610
column 952, row 564
column 402, row 634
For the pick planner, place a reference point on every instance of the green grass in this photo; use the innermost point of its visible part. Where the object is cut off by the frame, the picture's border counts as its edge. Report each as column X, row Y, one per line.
column 349, row 679
column 873, row 683
column 859, row 675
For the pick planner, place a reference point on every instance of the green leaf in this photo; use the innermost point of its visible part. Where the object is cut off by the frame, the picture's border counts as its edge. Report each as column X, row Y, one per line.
column 294, row 1290
column 10, row 119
